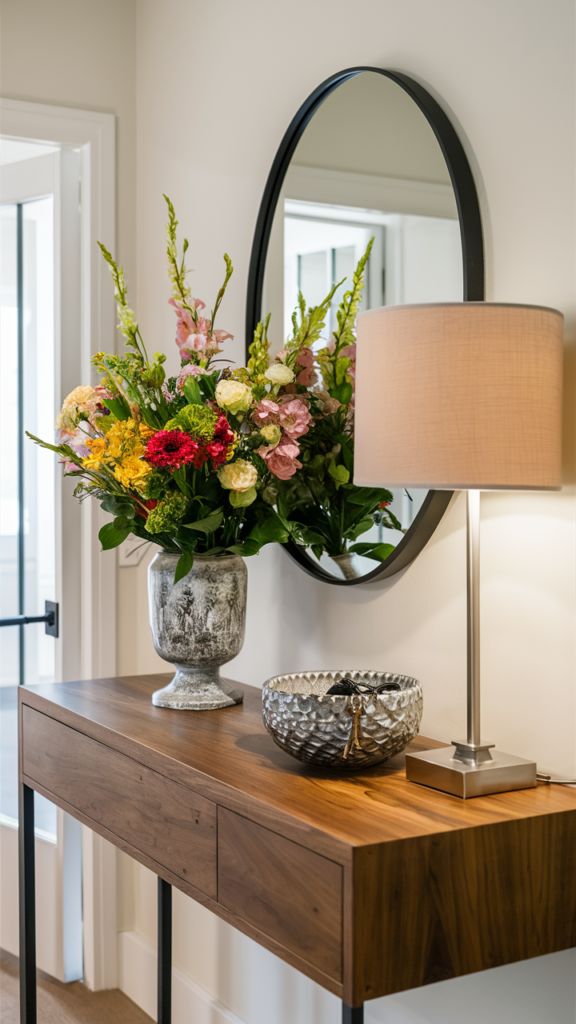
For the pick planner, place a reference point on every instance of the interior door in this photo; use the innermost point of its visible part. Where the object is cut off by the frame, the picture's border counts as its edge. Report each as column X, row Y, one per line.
column 39, row 523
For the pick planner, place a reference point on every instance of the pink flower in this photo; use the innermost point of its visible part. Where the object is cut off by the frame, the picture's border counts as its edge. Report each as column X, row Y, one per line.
column 294, row 418
column 307, row 377
column 266, row 412
column 305, row 358
column 221, row 336
column 184, row 324
column 281, row 460
column 349, row 352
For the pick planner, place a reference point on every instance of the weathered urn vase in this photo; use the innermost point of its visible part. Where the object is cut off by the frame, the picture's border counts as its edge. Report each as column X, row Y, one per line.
column 198, row 625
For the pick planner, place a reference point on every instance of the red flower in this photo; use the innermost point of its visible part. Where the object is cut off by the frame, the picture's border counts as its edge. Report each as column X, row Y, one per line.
column 150, row 504
column 222, row 432
column 384, row 504
column 217, row 452
column 171, row 448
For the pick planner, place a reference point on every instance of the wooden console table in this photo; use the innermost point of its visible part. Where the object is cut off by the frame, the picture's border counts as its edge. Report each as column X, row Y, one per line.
column 366, row 883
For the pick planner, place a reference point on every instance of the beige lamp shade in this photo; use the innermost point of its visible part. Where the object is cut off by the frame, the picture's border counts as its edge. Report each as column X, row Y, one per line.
column 459, row 396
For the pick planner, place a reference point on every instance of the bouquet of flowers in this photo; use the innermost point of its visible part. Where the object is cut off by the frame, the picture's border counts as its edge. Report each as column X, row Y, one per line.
column 219, row 460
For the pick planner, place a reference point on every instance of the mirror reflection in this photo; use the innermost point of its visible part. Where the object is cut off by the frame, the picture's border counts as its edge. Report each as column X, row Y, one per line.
column 368, row 167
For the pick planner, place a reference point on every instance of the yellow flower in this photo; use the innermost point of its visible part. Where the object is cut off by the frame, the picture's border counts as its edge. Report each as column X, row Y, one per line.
column 121, row 451
column 131, row 472
column 97, row 446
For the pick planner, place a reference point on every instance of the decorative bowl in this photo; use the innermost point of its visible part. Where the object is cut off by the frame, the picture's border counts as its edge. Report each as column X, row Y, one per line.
column 343, row 732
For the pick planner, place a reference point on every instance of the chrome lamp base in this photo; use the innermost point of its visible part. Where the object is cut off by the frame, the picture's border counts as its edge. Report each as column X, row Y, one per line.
column 470, row 769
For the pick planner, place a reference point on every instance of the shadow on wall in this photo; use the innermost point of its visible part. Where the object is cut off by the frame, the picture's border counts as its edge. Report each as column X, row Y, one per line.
column 539, row 991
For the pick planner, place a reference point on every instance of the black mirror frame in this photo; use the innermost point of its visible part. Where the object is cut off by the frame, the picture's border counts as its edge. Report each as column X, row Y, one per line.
column 468, row 206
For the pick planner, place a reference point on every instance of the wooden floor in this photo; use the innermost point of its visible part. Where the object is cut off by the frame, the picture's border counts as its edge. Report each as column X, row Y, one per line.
column 65, row 1004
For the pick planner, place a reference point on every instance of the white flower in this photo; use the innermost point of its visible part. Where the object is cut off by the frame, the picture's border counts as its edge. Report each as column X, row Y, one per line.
column 238, row 476
column 233, row 396
column 279, row 373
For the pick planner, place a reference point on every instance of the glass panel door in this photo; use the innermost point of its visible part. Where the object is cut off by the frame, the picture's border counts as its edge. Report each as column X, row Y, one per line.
column 27, row 478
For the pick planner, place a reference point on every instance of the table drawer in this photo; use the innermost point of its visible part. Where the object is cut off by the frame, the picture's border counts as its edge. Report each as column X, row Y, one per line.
column 291, row 894
column 165, row 821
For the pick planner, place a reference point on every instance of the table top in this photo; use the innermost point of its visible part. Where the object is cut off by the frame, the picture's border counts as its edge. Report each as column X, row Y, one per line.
column 230, row 748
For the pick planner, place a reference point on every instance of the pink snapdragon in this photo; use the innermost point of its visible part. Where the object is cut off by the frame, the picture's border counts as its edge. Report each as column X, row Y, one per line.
column 196, row 335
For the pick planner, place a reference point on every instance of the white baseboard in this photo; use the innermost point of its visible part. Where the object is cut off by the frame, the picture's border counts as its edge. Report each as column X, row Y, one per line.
column 137, row 979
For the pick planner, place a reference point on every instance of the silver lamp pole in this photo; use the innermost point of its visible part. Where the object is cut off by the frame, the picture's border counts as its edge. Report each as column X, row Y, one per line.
column 470, row 769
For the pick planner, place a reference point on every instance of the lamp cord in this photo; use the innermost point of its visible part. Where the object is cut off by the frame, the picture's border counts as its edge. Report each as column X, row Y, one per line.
column 559, row 782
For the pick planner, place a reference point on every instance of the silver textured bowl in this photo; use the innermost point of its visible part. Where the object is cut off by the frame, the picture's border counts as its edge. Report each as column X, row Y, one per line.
column 341, row 732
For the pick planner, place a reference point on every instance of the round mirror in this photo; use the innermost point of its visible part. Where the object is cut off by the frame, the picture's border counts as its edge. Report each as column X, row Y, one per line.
column 369, row 161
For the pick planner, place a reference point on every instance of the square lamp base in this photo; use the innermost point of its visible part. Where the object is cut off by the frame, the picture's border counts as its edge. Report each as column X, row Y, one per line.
column 440, row 770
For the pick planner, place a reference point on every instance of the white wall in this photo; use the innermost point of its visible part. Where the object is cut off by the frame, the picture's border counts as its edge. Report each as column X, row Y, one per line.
column 217, row 85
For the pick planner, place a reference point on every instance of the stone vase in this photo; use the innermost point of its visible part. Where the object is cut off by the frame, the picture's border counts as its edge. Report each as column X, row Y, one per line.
column 349, row 564
column 198, row 625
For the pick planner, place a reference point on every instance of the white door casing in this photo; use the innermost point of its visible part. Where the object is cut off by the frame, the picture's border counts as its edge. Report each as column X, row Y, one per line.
column 86, row 580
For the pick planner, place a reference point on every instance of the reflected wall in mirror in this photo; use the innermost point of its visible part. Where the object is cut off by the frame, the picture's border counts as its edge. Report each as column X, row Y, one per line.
column 370, row 155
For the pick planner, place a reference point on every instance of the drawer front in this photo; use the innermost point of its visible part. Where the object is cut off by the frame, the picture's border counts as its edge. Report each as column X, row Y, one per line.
column 289, row 893
column 165, row 821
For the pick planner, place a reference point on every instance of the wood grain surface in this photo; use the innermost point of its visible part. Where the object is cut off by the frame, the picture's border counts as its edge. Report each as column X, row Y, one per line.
column 432, row 886
column 231, row 748
column 174, row 826
column 288, row 892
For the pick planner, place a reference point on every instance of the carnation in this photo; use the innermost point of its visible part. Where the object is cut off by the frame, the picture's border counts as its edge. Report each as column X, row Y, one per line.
column 170, row 448
column 294, row 417
column 83, row 403
column 234, row 396
column 281, row 460
column 280, row 374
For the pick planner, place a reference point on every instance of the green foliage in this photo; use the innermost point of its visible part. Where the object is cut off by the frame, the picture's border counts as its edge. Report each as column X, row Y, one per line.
column 221, row 293
column 192, row 392
column 167, row 514
column 177, row 271
column 209, row 524
column 308, row 324
column 113, row 534
column 259, row 349
column 184, row 564
column 196, row 420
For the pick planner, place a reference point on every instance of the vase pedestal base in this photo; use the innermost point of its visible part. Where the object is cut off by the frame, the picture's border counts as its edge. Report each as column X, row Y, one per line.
column 196, row 690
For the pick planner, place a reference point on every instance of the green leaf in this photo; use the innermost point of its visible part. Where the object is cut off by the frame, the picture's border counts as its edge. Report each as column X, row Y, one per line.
column 118, row 407
column 183, row 566
column 208, row 525
column 111, row 535
column 192, row 391
column 118, row 506
column 343, row 392
column 241, row 499
column 270, row 531
column 179, row 478
column 378, row 552
column 338, row 472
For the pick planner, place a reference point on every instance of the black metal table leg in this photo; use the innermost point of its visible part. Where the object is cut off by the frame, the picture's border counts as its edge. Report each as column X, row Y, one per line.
column 352, row 1014
column 164, row 952
column 27, row 892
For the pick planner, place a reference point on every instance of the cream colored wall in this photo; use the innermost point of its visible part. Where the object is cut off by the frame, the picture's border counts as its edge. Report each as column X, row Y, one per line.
column 212, row 110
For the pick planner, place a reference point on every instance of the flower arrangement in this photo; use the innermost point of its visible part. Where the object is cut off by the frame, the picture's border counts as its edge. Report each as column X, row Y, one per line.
column 218, row 461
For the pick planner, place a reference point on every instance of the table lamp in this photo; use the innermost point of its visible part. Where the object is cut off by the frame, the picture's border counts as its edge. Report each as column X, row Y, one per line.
column 461, row 396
